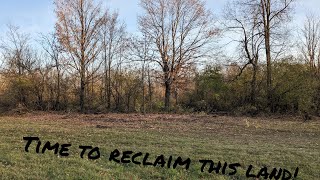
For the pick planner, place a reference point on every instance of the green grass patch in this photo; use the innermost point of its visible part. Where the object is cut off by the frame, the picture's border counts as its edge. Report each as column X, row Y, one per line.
column 274, row 143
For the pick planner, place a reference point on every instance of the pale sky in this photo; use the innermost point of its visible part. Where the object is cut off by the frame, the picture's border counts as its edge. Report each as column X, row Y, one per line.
column 37, row 16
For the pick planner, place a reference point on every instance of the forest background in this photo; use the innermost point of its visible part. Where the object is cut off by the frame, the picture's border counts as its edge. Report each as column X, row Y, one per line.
column 243, row 57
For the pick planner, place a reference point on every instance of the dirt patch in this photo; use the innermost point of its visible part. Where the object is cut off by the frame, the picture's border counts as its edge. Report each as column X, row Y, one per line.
column 102, row 127
column 199, row 125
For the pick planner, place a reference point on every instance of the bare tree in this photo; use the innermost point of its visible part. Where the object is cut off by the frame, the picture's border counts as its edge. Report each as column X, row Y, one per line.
column 273, row 14
column 40, row 80
column 119, row 72
column 18, row 57
column 310, row 48
column 78, row 28
column 52, row 47
column 141, row 51
column 245, row 24
column 181, row 31
column 311, row 41
column 113, row 35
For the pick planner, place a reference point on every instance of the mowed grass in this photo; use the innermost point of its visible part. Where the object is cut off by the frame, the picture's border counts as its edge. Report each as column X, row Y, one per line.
column 272, row 142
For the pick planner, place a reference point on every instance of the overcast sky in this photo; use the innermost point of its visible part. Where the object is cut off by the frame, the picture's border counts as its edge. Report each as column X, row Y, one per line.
column 37, row 16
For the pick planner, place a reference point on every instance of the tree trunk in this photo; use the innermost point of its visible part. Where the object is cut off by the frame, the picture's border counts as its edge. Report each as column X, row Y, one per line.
column 253, row 85
column 150, row 90
column 269, row 71
column 57, row 104
column 143, row 90
column 266, row 22
column 82, row 88
column 106, row 72
column 109, row 82
column 106, row 87
column 167, row 84
column 167, row 96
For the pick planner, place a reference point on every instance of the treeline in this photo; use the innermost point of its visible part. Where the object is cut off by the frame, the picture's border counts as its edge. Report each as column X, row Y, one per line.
column 90, row 63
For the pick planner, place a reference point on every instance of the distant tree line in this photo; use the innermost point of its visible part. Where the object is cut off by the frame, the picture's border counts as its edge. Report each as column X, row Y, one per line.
column 90, row 63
